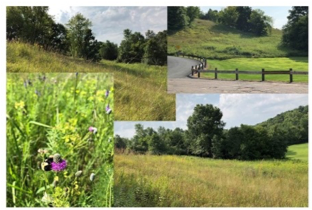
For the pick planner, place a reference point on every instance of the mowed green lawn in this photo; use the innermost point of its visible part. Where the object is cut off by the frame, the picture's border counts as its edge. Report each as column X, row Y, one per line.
column 257, row 64
column 184, row 181
column 298, row 151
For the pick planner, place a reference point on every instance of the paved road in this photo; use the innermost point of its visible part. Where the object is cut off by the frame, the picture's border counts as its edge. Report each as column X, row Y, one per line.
column 188, row 85
column 180, row 67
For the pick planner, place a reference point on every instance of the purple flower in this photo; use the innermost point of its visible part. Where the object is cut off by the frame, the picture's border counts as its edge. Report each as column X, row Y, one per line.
column 60, row 166
column 93, row 129
column 107, row 93
column 108, row 110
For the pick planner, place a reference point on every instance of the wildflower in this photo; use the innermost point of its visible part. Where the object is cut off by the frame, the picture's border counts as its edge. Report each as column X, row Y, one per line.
column 92, row 177
column 93, row 129
column 60, row 166
column 20, row 105
column 43, row 151
column 78, row 173
column 55, row 181
column 47, row 199
column 107, row 93
column 108, row 110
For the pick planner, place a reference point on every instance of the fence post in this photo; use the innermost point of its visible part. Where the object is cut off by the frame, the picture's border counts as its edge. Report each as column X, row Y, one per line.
column 236, row 72
column 263, row 75
column 216, row 73
column 290, row 75
column 198, row 73
column 192, row 69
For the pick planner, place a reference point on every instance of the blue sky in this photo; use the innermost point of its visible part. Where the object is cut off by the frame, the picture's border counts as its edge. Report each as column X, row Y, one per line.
column 237, row 109
column 279, row 14
column 108, row 23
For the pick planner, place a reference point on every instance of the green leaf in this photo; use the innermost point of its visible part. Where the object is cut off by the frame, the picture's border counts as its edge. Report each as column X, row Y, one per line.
column 40, row 124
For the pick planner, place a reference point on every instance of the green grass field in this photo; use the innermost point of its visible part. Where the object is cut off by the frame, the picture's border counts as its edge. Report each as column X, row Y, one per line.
column 298, row 152
column 217, row 41
column 51, row 113
column 256, row 64
column 141, row 90
column 184, row 181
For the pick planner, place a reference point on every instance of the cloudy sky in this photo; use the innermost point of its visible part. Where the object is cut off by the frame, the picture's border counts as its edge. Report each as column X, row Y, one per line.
column 279, row 14
column 108, row 23
column 237, row 109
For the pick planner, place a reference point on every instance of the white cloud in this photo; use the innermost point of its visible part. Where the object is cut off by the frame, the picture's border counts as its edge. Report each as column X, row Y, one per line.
column 255, row 108
column 108, row 23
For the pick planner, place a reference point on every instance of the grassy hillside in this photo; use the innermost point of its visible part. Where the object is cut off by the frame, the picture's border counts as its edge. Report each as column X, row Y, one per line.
column 143, row 180
column 298, row 152
column 216, row 41
column 140, row 90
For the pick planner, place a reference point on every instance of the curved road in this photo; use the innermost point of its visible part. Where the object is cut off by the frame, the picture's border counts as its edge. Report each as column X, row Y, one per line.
column 180, row 67
column 178, row 82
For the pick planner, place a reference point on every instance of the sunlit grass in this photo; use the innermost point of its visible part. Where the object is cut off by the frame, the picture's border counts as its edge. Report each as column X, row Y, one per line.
column 179, row 181
column 141, row 90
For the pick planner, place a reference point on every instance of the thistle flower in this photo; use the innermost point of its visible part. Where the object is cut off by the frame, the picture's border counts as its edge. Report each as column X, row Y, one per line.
column 60, row 166
column 92, row 177
column 108, row 110
column 93, row 129
column 107, row 93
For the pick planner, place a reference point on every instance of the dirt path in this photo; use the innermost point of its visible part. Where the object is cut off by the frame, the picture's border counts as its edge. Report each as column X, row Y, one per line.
column 188, row 85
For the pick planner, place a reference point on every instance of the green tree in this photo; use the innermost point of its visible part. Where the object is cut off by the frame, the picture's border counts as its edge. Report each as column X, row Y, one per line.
column 296, row 31
column 78, row 29
column 192, row 13
column 242, row 22
column 131, row 48
column 109, row 50
column 228, row 16
column 203, row 125
column 155, row 50
column 177, row 18
column 212, row 15
column 260, row 24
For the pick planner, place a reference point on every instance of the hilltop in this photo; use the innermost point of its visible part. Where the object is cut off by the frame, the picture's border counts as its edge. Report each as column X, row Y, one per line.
column 217, row 41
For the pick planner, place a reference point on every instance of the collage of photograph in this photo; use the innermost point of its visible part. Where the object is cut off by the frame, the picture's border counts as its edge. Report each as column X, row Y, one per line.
column 157, row 106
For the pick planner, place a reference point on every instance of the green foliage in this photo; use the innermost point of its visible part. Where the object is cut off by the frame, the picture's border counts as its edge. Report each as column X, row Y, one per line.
column 203, row 125
column 109, row 50
column 177, row 18
column 155, row 50
column 228, row 16
column 290, row 126
column 295, row 32
column 49, row 114
column 260, row 24
column 192, row 13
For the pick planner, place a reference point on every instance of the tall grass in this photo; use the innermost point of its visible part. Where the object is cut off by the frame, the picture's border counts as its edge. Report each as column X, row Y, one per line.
column 52, row 112
column 298, row 152
column 177, row 181
column 141, row 90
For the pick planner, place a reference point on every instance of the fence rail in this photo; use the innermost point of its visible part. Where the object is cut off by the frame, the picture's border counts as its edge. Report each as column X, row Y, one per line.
column 200, row 68
column 289, row 72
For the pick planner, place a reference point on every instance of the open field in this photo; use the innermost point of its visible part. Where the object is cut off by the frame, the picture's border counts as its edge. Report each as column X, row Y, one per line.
column 184, row 181
column 140, row 89
column 298, row 151
column 50, row 114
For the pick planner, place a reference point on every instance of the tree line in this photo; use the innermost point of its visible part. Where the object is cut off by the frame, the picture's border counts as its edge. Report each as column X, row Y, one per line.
column 35, row 26
column 205, row 136
column 244, row 18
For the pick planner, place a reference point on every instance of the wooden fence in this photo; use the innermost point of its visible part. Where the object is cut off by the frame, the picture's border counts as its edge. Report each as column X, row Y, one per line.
column 290, row 72
column 203, row 64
